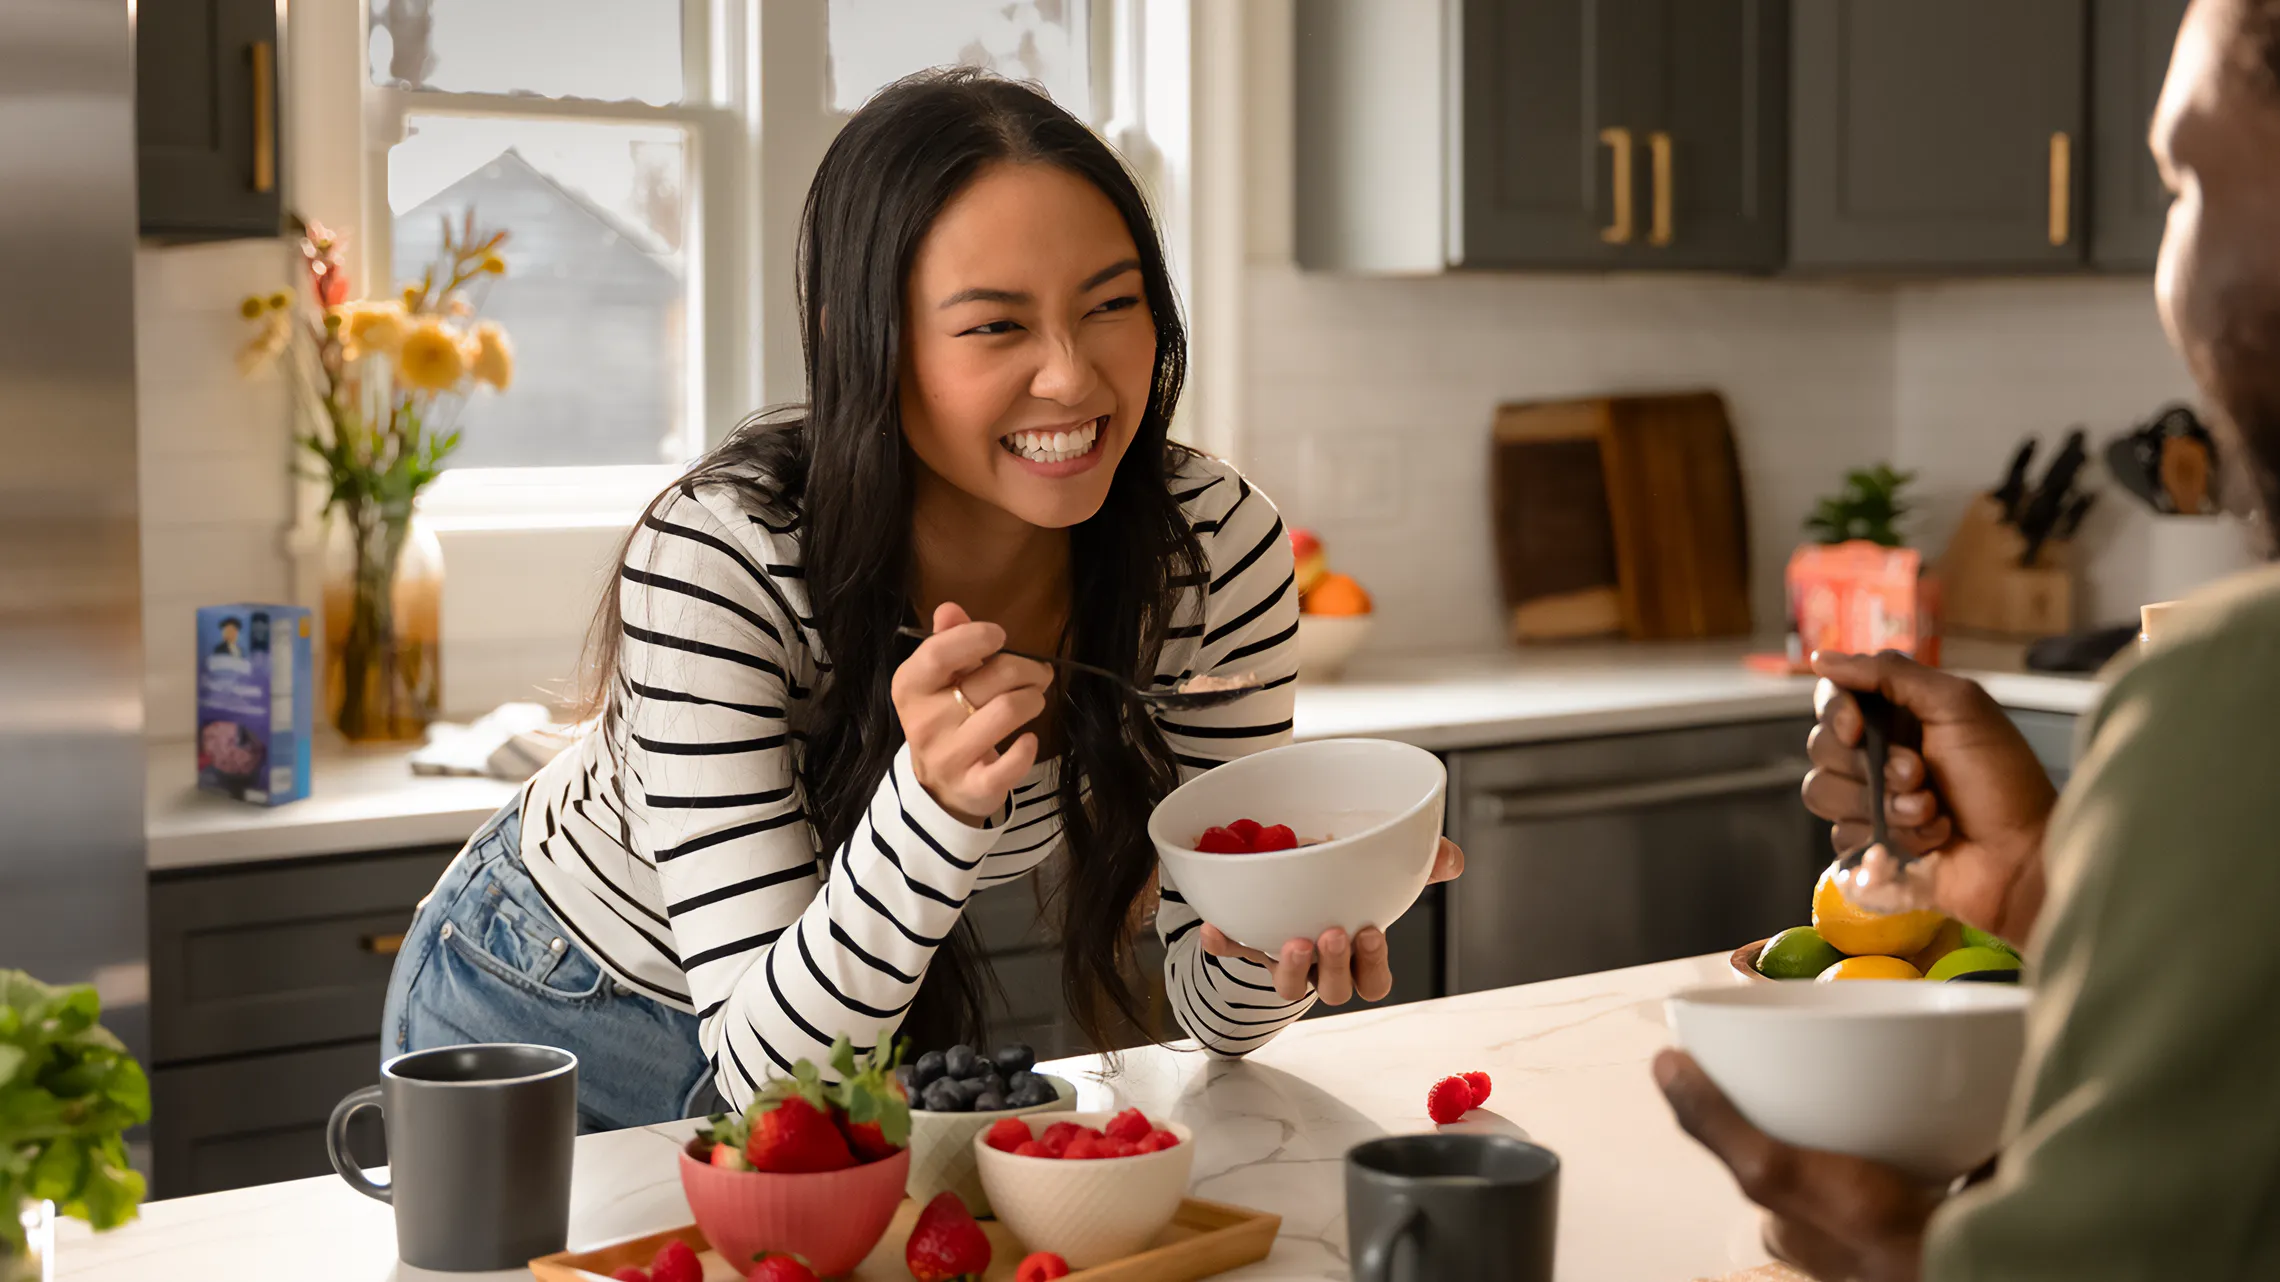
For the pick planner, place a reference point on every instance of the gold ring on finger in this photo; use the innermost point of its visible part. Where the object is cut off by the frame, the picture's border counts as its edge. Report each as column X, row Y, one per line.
column 958, row 692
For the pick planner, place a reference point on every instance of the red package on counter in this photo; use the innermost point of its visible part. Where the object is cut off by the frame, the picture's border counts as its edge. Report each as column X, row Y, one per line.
column 1861, row 598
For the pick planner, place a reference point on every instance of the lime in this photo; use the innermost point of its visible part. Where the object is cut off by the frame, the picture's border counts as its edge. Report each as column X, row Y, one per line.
column 1974, row 937
column 1797, row 953
column 1965, row 960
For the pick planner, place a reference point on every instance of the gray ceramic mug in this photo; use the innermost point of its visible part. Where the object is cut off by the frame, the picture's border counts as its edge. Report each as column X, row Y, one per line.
column 1441, row 1208
column 479, row 1141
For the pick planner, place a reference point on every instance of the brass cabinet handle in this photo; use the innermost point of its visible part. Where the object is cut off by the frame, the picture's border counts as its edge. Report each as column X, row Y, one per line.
column 382, row 945
column 264, row 117
column 1619, row 231
column 1658, row 158
column 2061, row 189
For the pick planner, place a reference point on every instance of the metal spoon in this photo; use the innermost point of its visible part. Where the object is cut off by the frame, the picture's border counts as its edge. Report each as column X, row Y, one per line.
column 1882, row 877
column 1184, row 697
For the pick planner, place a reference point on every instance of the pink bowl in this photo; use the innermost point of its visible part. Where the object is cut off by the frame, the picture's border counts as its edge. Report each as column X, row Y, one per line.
column 833, row 1218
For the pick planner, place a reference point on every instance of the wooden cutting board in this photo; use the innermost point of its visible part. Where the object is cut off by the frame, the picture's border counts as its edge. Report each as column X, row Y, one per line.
column 1621, row 514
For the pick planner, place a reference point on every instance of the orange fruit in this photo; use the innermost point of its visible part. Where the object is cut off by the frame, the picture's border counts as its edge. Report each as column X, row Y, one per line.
column 1857, row 933
column 1947, row 941
column 1336, row 594
column 1869, row 968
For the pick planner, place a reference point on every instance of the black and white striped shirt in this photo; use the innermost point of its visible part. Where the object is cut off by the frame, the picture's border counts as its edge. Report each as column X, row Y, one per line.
column 720, row 904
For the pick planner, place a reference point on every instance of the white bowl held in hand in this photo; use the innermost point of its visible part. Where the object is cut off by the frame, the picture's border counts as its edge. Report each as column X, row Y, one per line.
column 1378, row 801
column 1091, row 1211
column 1914, row 1075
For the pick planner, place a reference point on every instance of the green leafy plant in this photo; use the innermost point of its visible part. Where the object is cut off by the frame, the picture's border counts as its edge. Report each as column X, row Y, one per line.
column 68, row 1089
column 1869, row 506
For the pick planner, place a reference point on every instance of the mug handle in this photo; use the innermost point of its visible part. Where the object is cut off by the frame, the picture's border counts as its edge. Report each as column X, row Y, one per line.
column 336, row 1145
column 1375, row 1263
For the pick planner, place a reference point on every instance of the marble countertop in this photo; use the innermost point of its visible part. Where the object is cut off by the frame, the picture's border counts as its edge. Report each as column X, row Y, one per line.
column 1639, row 1202
column 369, row 799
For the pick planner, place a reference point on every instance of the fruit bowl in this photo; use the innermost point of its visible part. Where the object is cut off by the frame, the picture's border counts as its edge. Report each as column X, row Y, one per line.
column 1087, row 1212
column 833, row 1218
column 1917, row 1076
column 1745, row 959
column 1379, row 801
column 942, row 1147
column 1327, row 641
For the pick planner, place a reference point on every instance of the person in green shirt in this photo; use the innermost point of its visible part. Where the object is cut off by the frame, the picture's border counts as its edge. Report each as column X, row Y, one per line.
column 2145, row 1132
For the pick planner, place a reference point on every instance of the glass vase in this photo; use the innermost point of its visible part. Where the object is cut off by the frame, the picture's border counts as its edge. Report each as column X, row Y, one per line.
column 37, row 1263
column 383, row 625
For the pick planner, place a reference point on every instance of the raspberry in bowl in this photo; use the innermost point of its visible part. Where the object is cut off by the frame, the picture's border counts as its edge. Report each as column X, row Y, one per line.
column 1088, row 1187
column 1365, row 819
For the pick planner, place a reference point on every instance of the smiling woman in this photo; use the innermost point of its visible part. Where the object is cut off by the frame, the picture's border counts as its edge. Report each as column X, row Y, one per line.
column 770, row 837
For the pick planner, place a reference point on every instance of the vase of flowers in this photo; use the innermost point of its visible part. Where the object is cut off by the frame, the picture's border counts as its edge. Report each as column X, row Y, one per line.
column 382, row 381
column 68, row 1092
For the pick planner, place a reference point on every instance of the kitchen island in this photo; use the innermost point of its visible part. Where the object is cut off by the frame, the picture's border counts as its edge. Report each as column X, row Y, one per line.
column 1639, row 1202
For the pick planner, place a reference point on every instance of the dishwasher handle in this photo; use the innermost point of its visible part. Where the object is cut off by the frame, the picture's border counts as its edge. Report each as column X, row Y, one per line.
column 1529, row 805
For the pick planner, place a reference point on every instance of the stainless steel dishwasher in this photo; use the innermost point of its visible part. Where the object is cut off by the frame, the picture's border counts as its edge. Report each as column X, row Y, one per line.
column 1589, row 854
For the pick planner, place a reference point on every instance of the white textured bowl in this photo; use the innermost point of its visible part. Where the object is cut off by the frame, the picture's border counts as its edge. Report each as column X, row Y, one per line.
column 1381, row 801
column 942, row 1147
column 1327, row 641
column 1917, row 1076
column 1087, row 1212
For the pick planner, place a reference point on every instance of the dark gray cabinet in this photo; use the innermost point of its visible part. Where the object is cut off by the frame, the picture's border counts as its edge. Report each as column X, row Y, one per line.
column 206, row 118
column 2129, row 207
column 2051, row 735
column 1938, row 134
column 1623, row 134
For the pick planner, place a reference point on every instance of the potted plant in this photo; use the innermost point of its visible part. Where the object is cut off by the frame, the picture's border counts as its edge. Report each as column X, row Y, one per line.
column 381, row 382
column 68, row 1091
column 1869, row 507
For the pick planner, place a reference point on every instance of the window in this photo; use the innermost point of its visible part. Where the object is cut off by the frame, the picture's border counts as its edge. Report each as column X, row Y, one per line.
column 576, row 127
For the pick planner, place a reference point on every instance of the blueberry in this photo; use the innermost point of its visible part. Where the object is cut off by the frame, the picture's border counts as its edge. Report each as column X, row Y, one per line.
column 960, row 1061
column 928, row 1068
column 990, row 1082
column 990, row 1102
column 968, row 1090
column 1015, row 1057
column 943, row 1096
column 1032, row 1093
column 1016, row 1080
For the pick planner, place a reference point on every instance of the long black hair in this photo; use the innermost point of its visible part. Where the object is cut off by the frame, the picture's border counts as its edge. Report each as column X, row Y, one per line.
column 839, row 472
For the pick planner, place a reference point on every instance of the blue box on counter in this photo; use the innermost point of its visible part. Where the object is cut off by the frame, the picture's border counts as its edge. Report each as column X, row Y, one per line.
column 256, row 700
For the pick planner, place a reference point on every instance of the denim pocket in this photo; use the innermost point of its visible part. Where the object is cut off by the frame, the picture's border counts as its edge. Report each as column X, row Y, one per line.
column 502, row 927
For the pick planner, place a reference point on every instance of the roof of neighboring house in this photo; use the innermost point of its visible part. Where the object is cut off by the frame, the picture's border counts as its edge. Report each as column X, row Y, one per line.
column 546, row 222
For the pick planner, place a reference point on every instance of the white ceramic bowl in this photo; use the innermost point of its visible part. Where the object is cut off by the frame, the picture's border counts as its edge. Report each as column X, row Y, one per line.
column 1327, row 641
column 942, row 1147
column 1380, row 801
column 1914, row 1075
column 1087, row 1212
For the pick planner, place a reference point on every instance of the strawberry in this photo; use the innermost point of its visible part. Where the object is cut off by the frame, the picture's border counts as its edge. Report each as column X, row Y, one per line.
column 1123, row 1148
column 1131, row 1124
column 1479, row 1083
column 1007, row 1134
column 1158, row 1141
column 1041, row 1266
column 1450, row 1099
column 1219, row 841
column 1059, row 1136
column 730, row 1156
column 1033, row 1149
column 1247, row 829
column 773, row 1267
column 946, row 1243
column 869, row 1103
column 631, row 1273
column 1275, row 837
column 793, row 1135
column 1086, row 1147
column 675, row 1262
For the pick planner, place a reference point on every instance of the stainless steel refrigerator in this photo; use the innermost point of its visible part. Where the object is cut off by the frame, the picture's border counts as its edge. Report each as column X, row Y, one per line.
column 71, row 705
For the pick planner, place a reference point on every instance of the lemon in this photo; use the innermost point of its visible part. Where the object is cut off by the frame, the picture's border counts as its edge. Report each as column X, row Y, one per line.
column 1964, row 961
column 1849, row 930
column 1870, row 968
column 1797, row 953
column 1974, row 937
column 1947, row 941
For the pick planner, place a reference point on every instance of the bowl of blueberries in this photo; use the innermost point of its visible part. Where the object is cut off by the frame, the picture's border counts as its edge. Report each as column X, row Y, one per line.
column 954, row 1095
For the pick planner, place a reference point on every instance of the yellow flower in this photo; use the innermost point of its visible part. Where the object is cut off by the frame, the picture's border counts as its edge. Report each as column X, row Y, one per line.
column 264, row 346
column 491, row 358
column 430, row 358
column 495, row 265
column 457, row 305
column 251, row 307
column 412, row 296
column 371, row 327
column 280, row 300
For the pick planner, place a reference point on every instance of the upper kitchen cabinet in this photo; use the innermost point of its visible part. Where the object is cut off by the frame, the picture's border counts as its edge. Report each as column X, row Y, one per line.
column 206, row 114
column 1936, row 134
column 1610, row 134
column 2130, row 40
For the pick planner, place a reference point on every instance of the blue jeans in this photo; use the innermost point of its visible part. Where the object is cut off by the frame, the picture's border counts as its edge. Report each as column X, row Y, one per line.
column 485, row 960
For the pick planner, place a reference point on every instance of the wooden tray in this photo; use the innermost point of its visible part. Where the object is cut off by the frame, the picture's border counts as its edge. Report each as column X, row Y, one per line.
column 1204, row 1238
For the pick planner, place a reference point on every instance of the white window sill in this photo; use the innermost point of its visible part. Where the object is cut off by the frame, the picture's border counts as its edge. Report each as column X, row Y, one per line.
column 542, row 498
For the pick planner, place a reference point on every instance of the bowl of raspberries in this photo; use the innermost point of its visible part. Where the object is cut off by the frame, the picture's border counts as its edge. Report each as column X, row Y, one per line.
column 956, row 1094
column 811, row 1169
column 1088, row 1187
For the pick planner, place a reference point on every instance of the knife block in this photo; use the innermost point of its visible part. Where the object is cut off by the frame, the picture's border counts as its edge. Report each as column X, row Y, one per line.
column 1986, row 592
